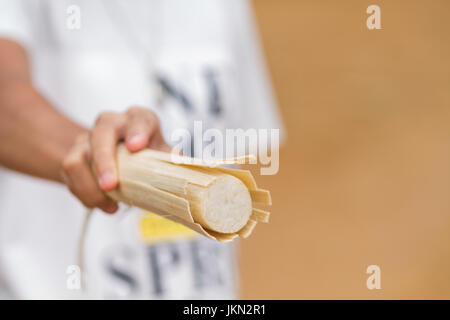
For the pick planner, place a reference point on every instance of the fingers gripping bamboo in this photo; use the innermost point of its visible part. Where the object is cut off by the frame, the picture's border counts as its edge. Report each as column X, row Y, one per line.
column 216, row 202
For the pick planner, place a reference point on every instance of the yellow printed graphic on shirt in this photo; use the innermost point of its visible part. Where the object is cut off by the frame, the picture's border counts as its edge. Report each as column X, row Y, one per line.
column 154, row 228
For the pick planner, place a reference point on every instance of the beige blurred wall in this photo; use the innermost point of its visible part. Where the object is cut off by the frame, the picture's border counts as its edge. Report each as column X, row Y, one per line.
column 365, row 174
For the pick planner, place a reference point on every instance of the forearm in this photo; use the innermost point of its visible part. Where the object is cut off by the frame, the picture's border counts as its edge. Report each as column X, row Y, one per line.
column 34, row 136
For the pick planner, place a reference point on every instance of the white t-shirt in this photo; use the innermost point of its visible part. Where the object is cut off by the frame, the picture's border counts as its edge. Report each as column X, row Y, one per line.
column 186, row 60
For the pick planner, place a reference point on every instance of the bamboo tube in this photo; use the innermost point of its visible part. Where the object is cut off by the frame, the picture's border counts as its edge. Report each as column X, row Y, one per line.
column 216, row 202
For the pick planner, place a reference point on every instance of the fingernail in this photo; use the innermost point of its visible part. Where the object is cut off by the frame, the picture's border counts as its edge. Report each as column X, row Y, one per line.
column 136, row 139
column 107, row 181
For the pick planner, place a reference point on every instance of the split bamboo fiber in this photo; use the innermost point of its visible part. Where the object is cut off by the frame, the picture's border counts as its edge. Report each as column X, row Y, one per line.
column 214, row 201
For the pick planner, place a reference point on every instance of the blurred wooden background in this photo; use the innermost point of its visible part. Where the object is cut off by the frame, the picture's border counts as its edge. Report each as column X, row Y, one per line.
column 365, row 172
